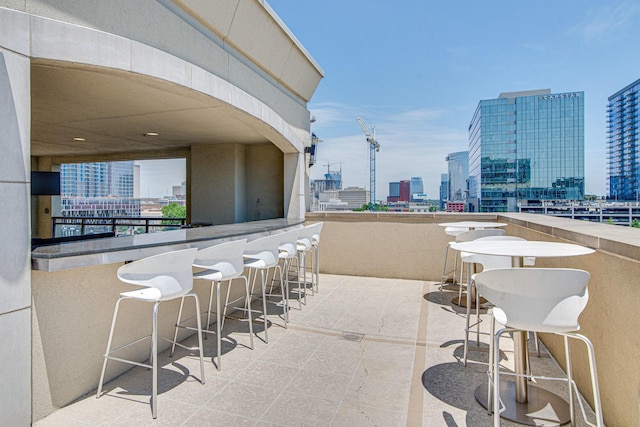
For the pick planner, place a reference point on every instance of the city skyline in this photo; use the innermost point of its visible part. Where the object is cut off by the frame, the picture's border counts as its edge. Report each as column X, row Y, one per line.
column 417, row 72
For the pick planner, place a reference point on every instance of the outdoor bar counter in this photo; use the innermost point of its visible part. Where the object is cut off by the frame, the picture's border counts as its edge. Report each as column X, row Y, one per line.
column 74, row 290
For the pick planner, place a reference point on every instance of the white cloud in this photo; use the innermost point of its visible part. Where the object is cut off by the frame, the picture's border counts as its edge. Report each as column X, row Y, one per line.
column 605, row 21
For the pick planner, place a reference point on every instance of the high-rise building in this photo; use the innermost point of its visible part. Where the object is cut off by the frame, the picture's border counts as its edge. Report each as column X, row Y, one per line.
column 105, row 189
column 417, row 189
column 458, row 167
column 444, row 189
column 394, row 192
column 97, row 179
column 526, row 146
column 623, row 143
column 405, row 191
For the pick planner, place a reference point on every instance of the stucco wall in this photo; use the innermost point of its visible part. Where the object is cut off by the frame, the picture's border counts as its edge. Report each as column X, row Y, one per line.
column 15, row 251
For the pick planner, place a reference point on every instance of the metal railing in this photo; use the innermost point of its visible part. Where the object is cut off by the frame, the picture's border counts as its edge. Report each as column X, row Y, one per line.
column 63, row 226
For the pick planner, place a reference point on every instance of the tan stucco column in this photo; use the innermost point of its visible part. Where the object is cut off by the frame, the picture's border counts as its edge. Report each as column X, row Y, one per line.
column 217, row 184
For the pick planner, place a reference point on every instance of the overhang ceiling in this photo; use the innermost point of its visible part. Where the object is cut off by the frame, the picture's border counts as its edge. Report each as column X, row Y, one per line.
column 114, row 110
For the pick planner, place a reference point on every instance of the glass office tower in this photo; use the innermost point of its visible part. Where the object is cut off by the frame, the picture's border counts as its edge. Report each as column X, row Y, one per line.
column 526, row 146
column 458, row 167
column 417, row 188
column 623, row 144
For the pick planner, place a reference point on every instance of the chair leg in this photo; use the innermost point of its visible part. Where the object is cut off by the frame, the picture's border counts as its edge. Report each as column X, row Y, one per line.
column 496, row 379
column 200, row 345
column 467, row 317
column 317, row 264
column 567, row 353
column 491, row 377
column 154, row 362
column 218, row 327
column 106, row 354
column 175, row 333
column 248, row 304
column 264, row 305
column 284, row 291
column 444, row 267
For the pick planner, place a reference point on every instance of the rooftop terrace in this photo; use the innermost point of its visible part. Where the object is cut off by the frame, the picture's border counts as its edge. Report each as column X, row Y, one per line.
column 363, row 352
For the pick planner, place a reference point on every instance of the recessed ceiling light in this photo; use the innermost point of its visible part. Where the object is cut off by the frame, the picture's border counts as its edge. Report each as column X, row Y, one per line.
column 79, row 139
column 151, row 134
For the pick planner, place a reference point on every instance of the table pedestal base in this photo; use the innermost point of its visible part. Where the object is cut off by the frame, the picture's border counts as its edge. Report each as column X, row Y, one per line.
column 542, row 407
column 462, row 302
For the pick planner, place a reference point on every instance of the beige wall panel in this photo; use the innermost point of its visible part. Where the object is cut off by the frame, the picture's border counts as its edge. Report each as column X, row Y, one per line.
column 215, row 183
column 265, row 190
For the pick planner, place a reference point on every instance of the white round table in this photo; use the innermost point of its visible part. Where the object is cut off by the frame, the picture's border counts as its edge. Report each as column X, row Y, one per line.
column 521, row 400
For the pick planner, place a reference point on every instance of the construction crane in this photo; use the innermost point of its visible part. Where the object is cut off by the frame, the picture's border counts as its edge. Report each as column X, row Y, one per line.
column 373, row 148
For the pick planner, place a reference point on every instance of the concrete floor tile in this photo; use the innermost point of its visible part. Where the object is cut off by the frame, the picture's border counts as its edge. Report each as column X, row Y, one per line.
column 291, row 409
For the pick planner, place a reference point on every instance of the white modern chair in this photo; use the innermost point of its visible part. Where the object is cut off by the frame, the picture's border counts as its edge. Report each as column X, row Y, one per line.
column 162, row 277
column 469, row 236
column 543, row 300
column 223, row 262
column 305, row 247
column 488, row 262
column 450, row 231
column 288, row 254
column 262, row 255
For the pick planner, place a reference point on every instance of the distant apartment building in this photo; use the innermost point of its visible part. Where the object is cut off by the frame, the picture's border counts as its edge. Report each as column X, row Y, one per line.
column 458, row 170
column 99, row 189
column 623, row 144
column 526, row 146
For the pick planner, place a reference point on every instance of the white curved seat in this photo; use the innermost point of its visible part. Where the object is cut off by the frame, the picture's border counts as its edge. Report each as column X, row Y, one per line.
column 261, row 255
column 222, row 263
column 542, row 300
column 163, row 277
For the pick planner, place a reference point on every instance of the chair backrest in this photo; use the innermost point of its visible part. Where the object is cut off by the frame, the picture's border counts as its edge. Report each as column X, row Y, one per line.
column 223, row 257
column 537, row 299
column 307, row 234
column 289, row 241
column 265, row 248
column 317, row 230
column 471, row 235
column 169, row 272
column 488, row 262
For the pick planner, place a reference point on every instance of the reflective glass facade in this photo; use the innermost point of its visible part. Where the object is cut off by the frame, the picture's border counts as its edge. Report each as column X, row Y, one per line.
column 623, row 144
column 458, row 168
column 526, row 146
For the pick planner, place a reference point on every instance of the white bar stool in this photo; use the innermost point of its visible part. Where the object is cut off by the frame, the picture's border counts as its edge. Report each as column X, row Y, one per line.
column 163, row 277
column 262, row 255
column 305, row 246
column 546, row 300
column 288, row 253
column 223, row 263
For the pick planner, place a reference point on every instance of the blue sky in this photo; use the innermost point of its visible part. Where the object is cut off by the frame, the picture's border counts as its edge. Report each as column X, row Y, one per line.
column 416, row 70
